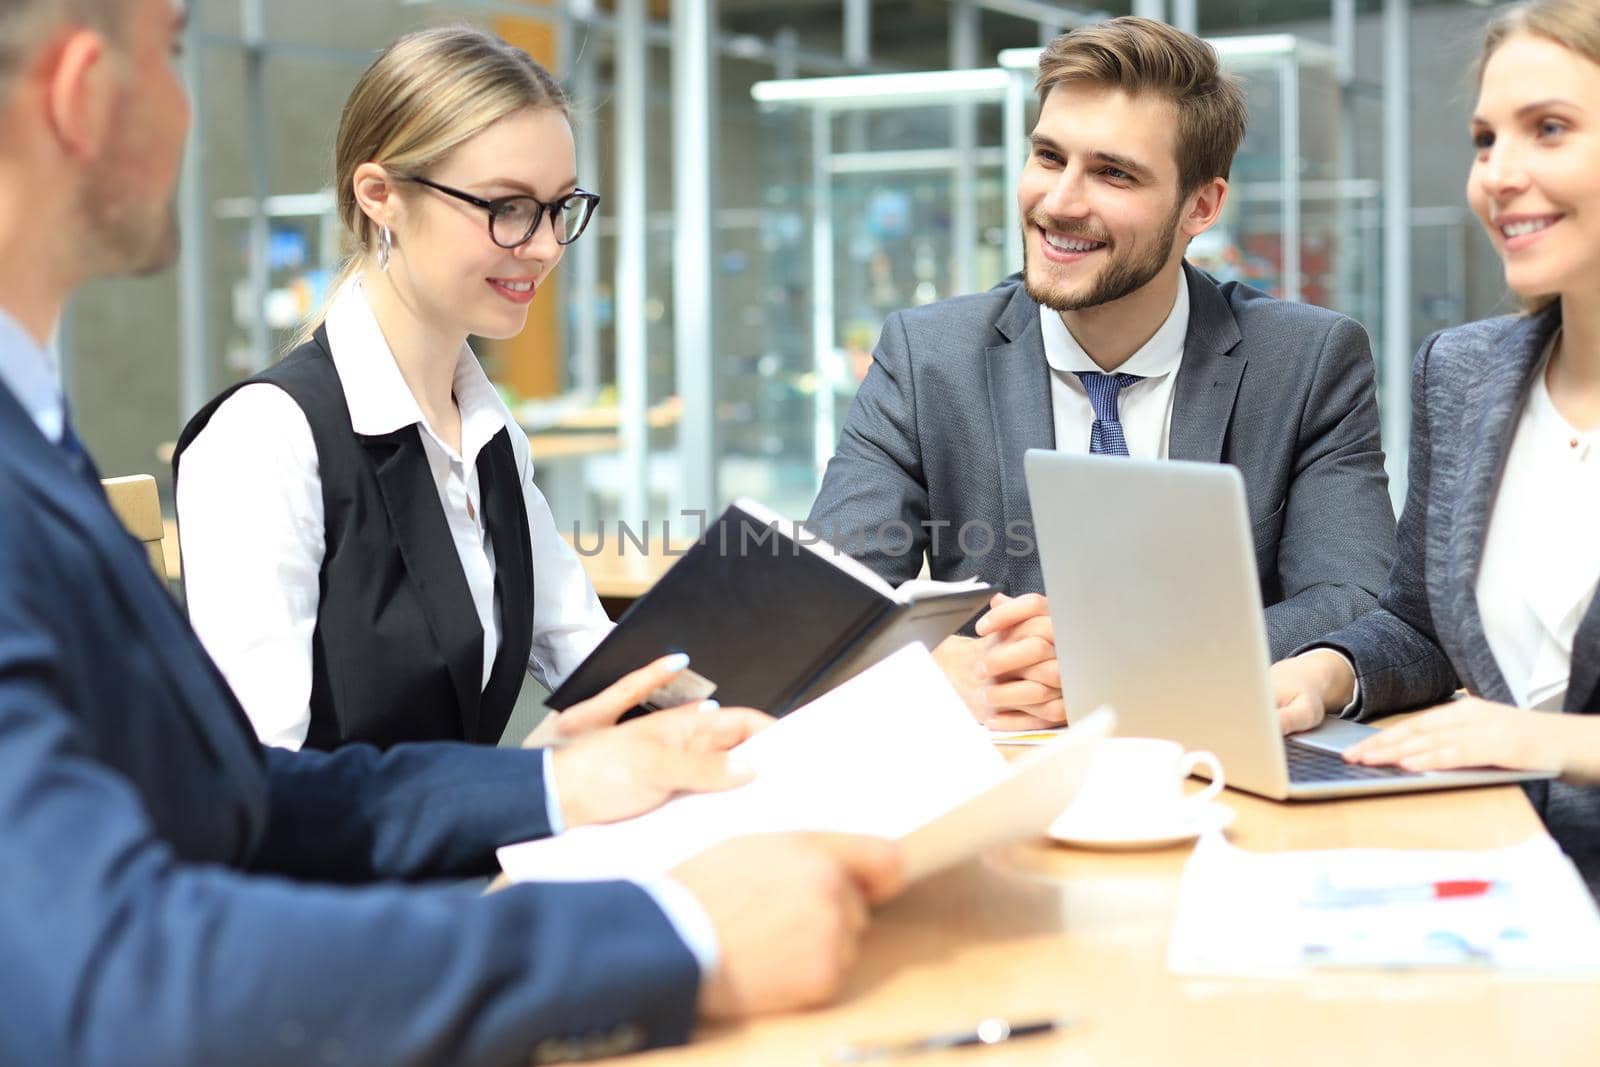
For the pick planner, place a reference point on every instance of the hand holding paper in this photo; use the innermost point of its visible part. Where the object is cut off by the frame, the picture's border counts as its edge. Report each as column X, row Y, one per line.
column 629, row 769
column 891, row 753
column 771, row 893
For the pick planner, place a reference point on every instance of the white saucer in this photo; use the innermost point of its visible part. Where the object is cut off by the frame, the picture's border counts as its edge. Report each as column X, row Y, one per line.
column 1185, row 824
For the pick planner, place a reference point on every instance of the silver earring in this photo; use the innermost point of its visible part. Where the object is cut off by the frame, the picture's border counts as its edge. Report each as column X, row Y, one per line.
column 385, row 246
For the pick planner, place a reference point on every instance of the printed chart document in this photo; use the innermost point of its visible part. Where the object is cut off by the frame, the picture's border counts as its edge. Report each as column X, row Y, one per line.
column 1522, row 909
column 892, row 753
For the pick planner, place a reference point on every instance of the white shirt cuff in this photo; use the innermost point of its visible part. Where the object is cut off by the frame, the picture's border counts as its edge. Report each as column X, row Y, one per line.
column 552, row 799
column 689, row 919
column 1355, row 683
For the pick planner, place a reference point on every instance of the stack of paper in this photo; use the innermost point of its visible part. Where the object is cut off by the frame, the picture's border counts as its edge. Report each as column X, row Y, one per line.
column 1025, row 738
column 1522, row 908
column 892, row 753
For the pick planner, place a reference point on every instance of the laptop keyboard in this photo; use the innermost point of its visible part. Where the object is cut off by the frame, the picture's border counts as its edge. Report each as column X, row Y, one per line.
column 1308, row 763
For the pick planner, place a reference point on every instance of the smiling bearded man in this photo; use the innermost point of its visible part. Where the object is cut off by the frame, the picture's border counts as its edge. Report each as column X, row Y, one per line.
column 1109, row 343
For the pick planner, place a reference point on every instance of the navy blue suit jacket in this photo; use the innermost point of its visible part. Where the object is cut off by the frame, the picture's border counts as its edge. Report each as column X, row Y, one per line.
column 172, row 893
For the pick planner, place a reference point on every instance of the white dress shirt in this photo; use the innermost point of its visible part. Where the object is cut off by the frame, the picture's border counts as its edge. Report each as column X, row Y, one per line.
column 1144, row 408
column 250, row 519
column 30, row 372
column 1541, row 558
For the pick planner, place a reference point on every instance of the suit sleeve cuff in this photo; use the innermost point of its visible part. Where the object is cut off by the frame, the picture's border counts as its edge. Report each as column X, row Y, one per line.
column 552, row 799
column 1349, row 711
column 689, row 920
column 1352, row 709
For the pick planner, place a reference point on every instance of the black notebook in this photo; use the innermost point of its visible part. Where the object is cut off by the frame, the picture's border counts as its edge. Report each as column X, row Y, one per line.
column 770, row 618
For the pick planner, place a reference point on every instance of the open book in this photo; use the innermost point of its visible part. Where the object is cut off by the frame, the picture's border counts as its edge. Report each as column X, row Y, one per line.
column 771, row 618
column 893, row 753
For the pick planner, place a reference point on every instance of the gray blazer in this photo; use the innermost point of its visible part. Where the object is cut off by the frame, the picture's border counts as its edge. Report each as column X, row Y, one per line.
column 930, row 458
column 1468, row 388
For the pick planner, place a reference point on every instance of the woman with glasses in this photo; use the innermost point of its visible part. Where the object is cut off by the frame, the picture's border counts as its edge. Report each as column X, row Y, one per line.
column 366, row 556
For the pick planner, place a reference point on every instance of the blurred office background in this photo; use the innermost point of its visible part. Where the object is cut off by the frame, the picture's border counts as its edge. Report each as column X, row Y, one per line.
column 778, row 176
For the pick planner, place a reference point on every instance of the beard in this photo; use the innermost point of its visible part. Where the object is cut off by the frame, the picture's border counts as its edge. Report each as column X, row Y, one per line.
column 131, row 228
column 1124, row 272
column 131, row 238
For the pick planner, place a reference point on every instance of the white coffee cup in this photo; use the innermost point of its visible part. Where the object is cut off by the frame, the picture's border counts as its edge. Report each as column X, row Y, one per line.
column 1138, row 782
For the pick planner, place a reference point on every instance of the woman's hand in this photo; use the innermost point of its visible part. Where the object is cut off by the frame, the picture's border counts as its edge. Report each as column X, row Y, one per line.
column 1307, row 685
column 630, row 769
column 607, row 706
column 1471, row 733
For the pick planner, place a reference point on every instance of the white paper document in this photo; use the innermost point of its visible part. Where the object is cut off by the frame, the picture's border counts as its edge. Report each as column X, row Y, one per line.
column 1520, row 909
column 892, row 753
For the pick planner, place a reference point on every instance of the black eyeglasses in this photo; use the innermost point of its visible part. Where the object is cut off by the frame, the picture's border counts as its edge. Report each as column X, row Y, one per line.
column 513, row 219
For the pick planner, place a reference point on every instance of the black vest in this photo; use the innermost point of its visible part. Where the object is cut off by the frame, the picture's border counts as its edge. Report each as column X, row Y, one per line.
column 397, row 654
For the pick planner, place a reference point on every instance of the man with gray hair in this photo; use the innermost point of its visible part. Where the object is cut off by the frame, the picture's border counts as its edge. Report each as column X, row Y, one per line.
column 174, row 894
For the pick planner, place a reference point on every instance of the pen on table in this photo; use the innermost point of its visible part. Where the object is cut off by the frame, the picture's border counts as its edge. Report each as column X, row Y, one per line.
column 987, row 1032
column 1331, row 896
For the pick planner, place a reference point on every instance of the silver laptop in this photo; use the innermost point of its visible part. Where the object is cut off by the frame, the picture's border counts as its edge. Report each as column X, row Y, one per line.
column 1151, row 577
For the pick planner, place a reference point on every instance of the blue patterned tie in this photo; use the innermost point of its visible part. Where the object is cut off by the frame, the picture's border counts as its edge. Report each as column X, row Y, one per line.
column 1105, row 438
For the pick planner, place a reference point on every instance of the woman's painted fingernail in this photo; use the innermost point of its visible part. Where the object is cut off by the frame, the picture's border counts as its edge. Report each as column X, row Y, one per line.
column 709, row 705
column 676, row 662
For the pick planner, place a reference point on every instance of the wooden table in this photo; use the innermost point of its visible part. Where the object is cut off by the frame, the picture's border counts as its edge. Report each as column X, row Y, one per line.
column 619, row 571
column 551, row 446
column 1042, row 930
column 667, row 412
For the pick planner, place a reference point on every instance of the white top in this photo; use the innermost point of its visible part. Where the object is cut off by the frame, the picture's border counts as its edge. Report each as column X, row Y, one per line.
column 250, row 521
column 1541, row 559
column 1144, row 408
column 30, row 372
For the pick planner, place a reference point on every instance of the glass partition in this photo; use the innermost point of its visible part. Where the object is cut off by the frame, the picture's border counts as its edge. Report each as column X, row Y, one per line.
column 883, row 192
column 892, row 191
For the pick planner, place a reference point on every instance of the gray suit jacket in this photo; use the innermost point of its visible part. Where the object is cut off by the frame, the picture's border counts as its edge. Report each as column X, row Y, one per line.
column 1468, row 388
column 930, row 459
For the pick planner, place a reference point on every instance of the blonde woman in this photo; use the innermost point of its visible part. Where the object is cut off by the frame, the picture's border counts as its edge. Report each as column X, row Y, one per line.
column 1494, row 588
column 366, row 555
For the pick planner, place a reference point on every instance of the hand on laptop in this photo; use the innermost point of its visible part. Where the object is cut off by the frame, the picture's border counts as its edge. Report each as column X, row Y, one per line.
column 1307, row 685
column 629, row 769
column 789, row 911
column 1473, row 732
column 607, row 706
column 1019, row 678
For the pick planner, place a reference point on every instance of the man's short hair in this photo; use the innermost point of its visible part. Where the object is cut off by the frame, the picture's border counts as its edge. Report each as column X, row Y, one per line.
column 24, row 24
column 1138, row 55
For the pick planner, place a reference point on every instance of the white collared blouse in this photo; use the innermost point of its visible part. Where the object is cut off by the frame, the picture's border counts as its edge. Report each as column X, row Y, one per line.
column 250, row 520
column 1541, row 557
